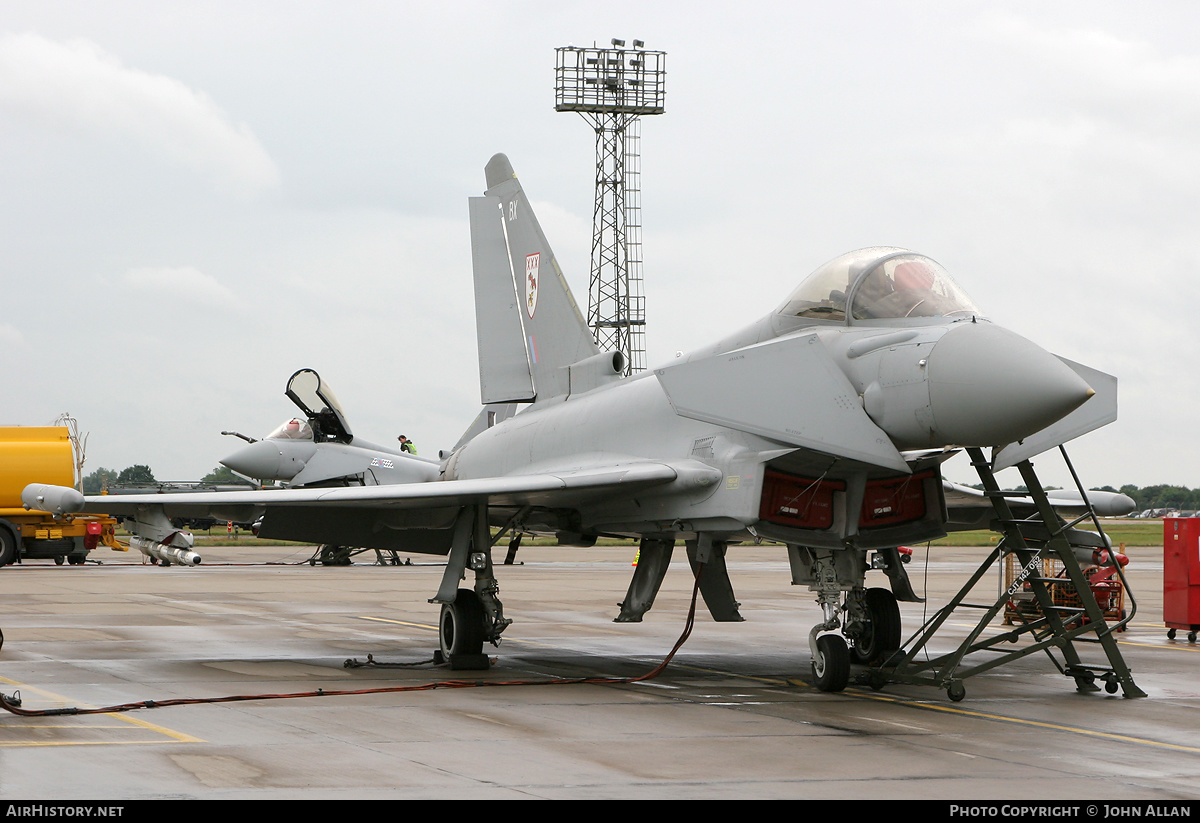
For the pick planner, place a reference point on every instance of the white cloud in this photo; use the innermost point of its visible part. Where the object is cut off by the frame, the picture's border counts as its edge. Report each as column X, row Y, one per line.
column 80, row 85
column 10, row 335
column 183, row 282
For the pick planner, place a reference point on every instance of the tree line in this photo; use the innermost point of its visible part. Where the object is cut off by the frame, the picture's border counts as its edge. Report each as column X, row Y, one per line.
column 1151, row 497
column 1160, row 497
column 140, row 476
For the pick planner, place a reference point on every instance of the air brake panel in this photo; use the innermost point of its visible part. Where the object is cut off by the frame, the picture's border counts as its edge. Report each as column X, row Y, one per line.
column 798, row 502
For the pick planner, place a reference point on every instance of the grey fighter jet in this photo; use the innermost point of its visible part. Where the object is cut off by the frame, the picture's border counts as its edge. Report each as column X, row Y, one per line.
column 320, row 450
column 822, row 426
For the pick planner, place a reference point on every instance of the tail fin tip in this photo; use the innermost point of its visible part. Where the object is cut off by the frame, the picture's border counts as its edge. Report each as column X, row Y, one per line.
column 497, row 170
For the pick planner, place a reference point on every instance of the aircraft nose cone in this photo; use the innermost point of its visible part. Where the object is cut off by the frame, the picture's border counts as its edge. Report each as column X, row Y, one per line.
column 989, row 386
column 263, row 460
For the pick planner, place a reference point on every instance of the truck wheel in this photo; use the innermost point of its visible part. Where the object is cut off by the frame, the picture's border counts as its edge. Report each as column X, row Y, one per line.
column 8, row 545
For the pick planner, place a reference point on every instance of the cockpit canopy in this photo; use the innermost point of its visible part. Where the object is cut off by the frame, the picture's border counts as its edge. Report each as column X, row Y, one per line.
column 878, row 283
column 320, row 406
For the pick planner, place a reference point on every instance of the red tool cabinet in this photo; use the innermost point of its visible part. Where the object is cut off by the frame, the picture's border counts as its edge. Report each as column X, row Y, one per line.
column 1181, row 575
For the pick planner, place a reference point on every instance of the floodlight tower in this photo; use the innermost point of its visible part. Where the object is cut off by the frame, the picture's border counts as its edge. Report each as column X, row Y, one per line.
column 612, row 88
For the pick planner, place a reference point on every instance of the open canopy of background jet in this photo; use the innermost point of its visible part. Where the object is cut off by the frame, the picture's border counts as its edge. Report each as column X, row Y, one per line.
column 321, row 406
column 878, row 283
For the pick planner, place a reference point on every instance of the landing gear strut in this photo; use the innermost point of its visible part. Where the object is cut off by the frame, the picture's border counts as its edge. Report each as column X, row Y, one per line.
column 860, row 625
column 469, row 616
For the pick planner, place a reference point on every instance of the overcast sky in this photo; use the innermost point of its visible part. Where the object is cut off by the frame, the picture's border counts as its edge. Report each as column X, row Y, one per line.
column 198, row 199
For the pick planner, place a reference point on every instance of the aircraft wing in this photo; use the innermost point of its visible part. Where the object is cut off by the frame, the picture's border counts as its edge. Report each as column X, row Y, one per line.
column 969, row 508
column 554, row 487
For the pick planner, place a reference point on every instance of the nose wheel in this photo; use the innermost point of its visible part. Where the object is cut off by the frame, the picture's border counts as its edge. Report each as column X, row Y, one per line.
column 831, row 663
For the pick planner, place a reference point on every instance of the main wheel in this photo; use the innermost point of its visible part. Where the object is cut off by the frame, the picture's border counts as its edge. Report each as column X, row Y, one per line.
column 8, row 546
column 882, row 635
column 831, row 666
column 461, row 628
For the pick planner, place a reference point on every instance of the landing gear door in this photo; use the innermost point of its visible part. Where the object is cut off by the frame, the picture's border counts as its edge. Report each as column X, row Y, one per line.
column 319, row 404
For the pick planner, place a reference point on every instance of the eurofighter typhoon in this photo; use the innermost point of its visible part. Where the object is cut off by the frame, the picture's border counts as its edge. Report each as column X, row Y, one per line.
column 822, row 426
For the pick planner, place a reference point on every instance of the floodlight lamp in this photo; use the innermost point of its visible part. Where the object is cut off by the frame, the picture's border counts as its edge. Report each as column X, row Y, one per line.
column 638, row 44
column 617, row 42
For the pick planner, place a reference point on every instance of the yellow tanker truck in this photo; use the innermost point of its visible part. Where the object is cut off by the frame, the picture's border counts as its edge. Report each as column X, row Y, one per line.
column 43, row 454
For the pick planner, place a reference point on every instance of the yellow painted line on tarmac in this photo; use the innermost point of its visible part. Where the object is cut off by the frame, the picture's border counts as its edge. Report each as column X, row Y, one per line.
column 178, row 737
column 1040, row 724
column 1170, row 645
column 398, row 622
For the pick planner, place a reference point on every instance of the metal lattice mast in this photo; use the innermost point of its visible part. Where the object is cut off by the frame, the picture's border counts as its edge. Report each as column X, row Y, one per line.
column 611, row 89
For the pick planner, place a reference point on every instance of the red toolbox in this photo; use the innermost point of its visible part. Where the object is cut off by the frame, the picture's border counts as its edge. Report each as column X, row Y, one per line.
column 1181, row 575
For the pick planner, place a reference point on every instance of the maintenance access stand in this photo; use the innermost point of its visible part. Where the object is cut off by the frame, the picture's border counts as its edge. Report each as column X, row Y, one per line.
column 1055, row 628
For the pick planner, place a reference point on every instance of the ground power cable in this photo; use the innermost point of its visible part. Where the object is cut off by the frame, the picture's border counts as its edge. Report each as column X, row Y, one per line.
column 13, row 704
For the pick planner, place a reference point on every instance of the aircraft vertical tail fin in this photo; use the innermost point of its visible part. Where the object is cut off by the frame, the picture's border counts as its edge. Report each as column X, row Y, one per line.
column 529, row 327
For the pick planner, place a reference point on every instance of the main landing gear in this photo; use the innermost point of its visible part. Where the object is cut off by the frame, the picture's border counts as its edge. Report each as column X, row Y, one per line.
column 469, row 617
column 462, row 627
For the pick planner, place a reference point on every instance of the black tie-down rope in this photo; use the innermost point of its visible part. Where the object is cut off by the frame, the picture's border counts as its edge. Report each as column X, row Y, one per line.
column 13, row 704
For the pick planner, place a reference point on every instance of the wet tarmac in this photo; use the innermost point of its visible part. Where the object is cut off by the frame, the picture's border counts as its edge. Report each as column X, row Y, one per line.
column 734, row 716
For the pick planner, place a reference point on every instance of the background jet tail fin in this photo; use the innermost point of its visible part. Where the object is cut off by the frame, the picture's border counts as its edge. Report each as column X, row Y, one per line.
column 529, row 327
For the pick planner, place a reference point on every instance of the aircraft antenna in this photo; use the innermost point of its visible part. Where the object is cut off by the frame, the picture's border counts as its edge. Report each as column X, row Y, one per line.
column 612, row 88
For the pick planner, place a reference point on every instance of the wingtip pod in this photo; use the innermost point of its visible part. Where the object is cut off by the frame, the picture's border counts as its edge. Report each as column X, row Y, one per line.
column 498, row 170
column 53, row 499
column 1104, row 504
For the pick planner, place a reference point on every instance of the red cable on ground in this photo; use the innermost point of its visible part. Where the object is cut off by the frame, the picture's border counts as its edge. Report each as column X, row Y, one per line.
column 6, row 703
